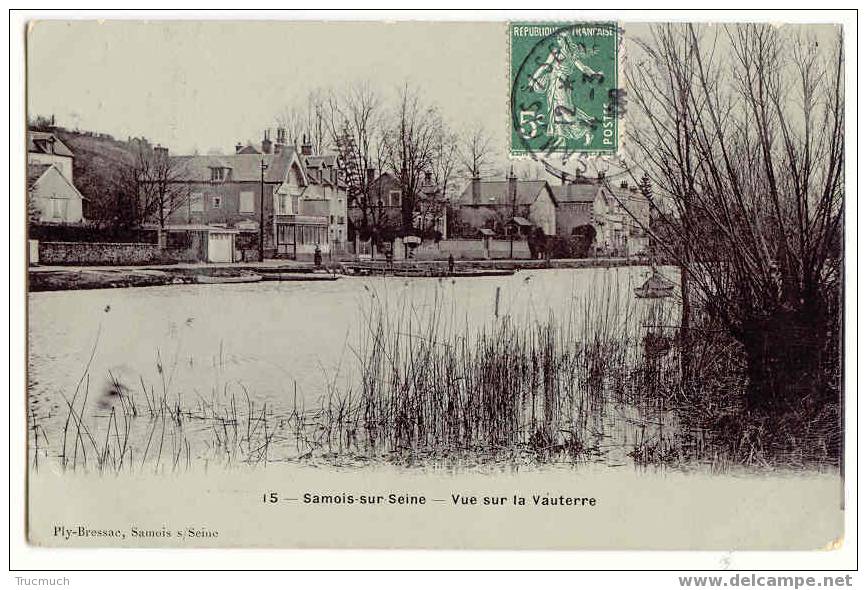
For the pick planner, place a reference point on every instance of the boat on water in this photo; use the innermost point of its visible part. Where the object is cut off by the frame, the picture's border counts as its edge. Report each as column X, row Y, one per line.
column 481, row 272
column 220, row 280
column 655, row 287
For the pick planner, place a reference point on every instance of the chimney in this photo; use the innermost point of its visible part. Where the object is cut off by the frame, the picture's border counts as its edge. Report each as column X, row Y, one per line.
column 306, row 148
column 266, row 142
column 477, row 189
column 160, row 151
column 624, row 184
column 281, row 140
column 238, row 147
column 513, row 186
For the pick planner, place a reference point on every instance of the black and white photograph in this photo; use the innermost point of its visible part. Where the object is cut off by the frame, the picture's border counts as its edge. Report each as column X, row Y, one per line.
column 534, row 282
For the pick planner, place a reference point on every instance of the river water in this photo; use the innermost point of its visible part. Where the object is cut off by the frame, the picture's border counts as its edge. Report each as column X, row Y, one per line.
column 276, row 342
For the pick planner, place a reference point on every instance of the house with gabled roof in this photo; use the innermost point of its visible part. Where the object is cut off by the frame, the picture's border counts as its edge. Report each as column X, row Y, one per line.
column 51, row 193
column 327, row 191
column 618, row 213
column 382, row 208
column 44, row 147
column 574, row 205
column 621, row 215
column 506, row 206
column 52, row 196
column 234, row 193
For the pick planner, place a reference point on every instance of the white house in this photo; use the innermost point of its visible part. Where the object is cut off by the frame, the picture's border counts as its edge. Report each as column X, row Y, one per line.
column 325, row 184
column 52, row 195
column 46, row 148
column 620, row 216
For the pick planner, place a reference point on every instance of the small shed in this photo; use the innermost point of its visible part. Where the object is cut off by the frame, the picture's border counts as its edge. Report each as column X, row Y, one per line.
column 520, row 226
column 221, row 244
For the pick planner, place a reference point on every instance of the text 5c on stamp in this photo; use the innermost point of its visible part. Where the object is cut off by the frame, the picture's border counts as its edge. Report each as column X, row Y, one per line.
column 564, row 93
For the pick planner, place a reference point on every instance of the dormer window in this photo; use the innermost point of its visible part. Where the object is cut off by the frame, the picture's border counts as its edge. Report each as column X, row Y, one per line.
column 219, row 174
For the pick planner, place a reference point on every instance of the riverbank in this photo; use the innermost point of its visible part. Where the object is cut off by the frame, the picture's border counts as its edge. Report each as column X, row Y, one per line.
column 53, row 278
column 67, row 278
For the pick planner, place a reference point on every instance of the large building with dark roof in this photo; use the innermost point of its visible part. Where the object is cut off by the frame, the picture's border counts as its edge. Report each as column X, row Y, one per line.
column 232, row 193
column 574, row 206
column 617, row 211
column 496, row 204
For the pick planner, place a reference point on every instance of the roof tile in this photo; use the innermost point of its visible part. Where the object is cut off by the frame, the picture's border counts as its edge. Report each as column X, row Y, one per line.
column 245, row 167
column 496, row 192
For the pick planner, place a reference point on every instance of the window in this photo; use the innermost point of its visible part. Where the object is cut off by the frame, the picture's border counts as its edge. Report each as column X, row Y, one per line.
column 217, row 174
column 285, row 208
column 58, row 207
column 340, row 219
column 285, row 234
column 217, row 202
column 197, row 203
column 394, row 198
column 246, row 204
column 312, row 234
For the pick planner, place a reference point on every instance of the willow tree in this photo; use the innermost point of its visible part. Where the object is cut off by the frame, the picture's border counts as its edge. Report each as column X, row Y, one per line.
column 740, row 129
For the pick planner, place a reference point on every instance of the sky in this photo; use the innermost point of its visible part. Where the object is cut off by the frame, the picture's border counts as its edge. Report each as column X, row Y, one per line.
column 207, row 85
column 203, row 86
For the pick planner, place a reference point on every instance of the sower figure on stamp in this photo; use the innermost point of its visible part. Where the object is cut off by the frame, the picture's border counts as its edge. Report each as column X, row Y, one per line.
column 556, row 78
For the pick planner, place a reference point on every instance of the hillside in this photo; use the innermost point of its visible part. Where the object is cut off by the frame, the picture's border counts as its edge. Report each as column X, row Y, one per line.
column 100, row 161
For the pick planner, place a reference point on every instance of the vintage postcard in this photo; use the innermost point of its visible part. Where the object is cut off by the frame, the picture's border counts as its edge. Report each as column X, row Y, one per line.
column 529, row 284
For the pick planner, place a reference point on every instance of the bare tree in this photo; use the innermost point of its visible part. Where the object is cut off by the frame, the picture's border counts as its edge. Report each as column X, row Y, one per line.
column 444, row 171
column 526, row 171
column 445, row 161
column 121, row 207
column 741, row 129
column 307, row 119
column 475, row 152
column 356, row 121
column 157, row 178
column 411, row 143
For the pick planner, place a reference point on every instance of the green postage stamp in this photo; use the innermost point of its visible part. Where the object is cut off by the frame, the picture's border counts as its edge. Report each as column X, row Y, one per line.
column 565, row 97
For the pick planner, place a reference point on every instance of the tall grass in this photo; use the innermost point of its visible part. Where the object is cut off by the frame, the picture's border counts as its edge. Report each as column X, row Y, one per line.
column 148, row 429
column 599, row 382
column 550, row 388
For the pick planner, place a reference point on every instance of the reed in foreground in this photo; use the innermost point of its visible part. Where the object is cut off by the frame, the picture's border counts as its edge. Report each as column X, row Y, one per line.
column 601, row 382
